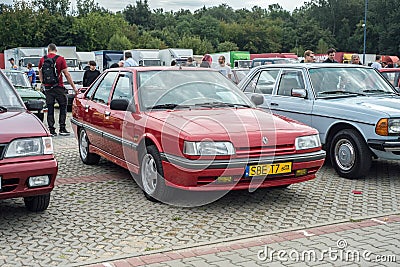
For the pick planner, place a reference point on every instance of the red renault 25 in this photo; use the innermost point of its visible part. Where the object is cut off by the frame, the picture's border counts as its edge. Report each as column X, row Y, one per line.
column 28, row 168
column 191, row 129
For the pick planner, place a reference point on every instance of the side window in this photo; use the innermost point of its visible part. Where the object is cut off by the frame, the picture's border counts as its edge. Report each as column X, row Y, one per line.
column 103, row 90
column 124, row 86
column 91, row 90
column 290, row 79
column 252, row 84
column 266, row 82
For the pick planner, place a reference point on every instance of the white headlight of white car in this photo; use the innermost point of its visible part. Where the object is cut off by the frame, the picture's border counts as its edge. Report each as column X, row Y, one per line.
column 307, row 142
column 394, row 126
column 29, row 147
column 208, row 148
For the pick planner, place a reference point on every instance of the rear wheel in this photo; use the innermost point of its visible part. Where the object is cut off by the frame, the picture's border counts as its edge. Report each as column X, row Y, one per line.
column 350, row 155
column 152, row 176
column 37, row 203
column 86, row 157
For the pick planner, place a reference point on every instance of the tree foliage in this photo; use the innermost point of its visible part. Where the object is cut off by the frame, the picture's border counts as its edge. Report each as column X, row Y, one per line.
column 317, row 25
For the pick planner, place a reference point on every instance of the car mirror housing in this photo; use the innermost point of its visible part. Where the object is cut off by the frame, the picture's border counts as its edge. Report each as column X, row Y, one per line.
column 122, row 104
column 33, row 105
column 257, row 99
column 299, row 92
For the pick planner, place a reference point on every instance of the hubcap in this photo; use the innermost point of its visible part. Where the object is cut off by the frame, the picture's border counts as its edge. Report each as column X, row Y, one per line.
column 83, row 145
column 149, row 174
column 344, row 154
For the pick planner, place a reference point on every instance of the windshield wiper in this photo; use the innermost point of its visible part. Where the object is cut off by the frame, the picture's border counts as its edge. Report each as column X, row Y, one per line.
column 377, row 91
column 336, row 92
column 169, row 106
column 221, row 104
column 3, row 109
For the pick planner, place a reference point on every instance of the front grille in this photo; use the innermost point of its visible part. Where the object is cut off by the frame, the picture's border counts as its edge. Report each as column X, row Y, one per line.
column 265, row 151
column 2, row 149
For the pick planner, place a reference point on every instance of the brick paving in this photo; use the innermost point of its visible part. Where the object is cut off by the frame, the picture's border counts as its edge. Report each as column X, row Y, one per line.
column 99, row 214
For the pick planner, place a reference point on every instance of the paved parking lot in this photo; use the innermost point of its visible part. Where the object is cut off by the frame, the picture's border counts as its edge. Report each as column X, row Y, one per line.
column 98, row 213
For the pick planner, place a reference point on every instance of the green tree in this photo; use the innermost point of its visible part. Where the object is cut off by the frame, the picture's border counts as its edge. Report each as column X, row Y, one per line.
column 227, row 46
column 119, row 42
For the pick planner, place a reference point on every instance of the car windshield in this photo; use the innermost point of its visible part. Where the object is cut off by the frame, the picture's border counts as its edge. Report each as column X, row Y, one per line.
column 77, row 76
column 333, row 82
column 8, row 97
column 188, row 88
column 18, row 79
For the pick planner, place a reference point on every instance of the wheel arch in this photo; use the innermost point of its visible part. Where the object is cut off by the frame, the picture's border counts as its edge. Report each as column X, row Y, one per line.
column 335, row 128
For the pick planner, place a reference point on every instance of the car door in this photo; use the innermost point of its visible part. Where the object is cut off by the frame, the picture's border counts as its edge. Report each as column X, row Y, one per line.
column 263, row 83
column 282, row 102
column 96, row 108
column 118, row 132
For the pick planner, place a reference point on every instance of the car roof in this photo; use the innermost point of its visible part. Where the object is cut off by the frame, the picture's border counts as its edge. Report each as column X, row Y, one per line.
column 390, row 70
column 16, row 71
column 311, row 66
column 162, row 68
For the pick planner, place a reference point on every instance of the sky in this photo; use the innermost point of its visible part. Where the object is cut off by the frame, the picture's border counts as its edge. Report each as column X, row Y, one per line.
column 175, row 5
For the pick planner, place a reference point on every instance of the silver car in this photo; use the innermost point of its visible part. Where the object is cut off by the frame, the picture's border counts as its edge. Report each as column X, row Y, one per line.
column 355, row 109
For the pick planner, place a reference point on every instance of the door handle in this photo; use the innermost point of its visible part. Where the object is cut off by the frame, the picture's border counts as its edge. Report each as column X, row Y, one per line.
column 274, row 104
column 107, row 113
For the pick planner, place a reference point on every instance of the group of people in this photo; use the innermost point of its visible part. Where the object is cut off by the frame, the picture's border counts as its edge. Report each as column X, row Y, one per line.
column 222, row 67
column 128, row 62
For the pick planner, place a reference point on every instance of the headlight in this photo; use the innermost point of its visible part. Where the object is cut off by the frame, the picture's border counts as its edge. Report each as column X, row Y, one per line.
column 387, row 127
column 29, row 147
column 307, row 142
column 208, row 148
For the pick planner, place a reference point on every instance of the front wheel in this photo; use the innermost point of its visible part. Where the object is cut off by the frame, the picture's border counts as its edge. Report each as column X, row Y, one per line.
column 86, row 157
column 37, row 203
column 152, row 176
column 350, row 155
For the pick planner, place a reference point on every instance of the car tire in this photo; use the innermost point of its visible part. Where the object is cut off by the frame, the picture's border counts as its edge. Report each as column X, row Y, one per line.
column 40, row 115
column 152, row 176
column 350, row 155
column 86, row 157
column 37, row 203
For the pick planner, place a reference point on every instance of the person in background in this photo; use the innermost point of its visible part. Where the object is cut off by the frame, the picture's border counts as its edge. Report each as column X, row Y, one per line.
column 377, row 64
column 56, row 92
column 355, row 59
column 129, row 61
column 308, row 57
column 384, row 64
column 331, row 56
column 206, row 61
column 189, row 62
column 91, row 74
column 12, row 62
column 223, row 68
column 31, row 75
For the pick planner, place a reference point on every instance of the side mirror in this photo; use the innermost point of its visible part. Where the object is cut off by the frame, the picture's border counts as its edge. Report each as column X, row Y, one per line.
column 298, row 92
column 121, row 104
column 33, row 105
column 257, row 99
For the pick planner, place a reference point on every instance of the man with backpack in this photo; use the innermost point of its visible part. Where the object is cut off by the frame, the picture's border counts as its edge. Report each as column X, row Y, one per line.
column 51, row 68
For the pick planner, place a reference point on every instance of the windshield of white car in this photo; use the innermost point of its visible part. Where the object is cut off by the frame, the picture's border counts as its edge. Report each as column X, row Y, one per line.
column 195, row 88
column 328, row 82
column 8, row 97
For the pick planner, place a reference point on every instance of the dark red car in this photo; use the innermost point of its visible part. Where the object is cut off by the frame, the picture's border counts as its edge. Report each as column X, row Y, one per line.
column 191, row 129
column 28, row 168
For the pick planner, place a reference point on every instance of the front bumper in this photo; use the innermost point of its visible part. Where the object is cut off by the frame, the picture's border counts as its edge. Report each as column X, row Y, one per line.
column 14, row 177
column 203, row 175
column 385, row 145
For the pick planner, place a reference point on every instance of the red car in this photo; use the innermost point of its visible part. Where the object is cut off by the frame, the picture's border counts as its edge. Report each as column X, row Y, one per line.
column 191, row 129
column 28, row 168
column 392, row 75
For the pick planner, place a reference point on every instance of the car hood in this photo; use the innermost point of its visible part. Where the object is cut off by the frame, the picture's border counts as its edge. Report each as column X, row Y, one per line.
column 19, row 124
column 231, row 124
column 30, row 94
column 379, row 106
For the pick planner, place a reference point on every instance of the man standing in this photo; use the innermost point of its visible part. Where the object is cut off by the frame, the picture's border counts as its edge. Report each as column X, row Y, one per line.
column 129, row 61
column 308, row 57
column 51, row 69
column 331, row 56
column 355, row 59
column 377, row 64
column 223, row 68
column 31, row 75
column 12, row 62
column 90, row 75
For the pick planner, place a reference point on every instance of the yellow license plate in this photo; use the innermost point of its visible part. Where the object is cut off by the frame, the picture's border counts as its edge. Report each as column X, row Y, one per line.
column 266, row 169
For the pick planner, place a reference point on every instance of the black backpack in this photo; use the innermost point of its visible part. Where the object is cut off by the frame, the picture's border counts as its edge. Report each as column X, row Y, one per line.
column 49, row 71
